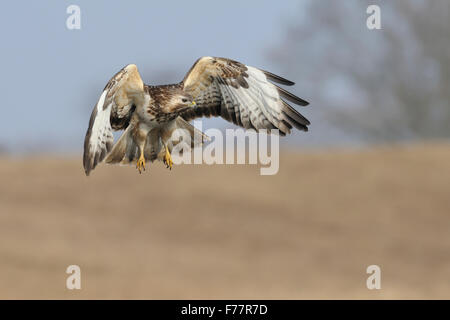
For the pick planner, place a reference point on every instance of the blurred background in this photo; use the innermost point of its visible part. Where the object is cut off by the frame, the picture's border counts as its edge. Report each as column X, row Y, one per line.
column 368, row 184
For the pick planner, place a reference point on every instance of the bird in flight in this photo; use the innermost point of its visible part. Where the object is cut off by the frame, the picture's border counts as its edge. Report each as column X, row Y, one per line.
column 149, row 115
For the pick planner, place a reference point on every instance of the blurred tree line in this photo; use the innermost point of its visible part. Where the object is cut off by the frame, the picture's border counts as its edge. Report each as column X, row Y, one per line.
column 382, row 85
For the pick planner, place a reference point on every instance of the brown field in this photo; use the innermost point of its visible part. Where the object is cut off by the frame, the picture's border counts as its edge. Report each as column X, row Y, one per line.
column 216, row 232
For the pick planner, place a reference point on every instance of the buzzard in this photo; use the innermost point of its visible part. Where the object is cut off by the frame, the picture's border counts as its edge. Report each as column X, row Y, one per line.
column 149, row 115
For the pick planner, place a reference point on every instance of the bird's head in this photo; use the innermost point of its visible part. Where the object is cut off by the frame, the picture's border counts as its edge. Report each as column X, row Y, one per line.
column 183, row 100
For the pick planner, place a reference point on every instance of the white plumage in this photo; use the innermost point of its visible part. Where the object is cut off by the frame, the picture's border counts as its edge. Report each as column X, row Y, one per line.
column 149, row 115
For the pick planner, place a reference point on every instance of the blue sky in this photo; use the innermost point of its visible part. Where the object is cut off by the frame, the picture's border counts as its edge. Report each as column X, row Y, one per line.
column 53, row 76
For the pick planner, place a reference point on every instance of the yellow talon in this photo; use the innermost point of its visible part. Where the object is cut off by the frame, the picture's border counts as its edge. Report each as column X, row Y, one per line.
column 140, row 164
column 168, row 159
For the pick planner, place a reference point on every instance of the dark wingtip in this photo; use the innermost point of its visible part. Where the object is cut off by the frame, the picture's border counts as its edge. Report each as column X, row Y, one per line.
column 301, row 102
column 295, row 118
column 278, row 79
column 86, row 166
column 291, row 97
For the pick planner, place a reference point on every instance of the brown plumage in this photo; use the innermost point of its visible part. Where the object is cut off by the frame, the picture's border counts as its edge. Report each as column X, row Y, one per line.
column 168, row 101
column 149, row 115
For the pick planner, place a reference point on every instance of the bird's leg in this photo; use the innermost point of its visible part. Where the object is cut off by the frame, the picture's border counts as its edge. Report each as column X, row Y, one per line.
column 140, row 164
column 140, row 139
column 167, row 158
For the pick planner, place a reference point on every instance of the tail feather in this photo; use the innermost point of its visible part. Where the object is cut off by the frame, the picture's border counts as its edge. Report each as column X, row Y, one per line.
column 195, row 133
column 185, row 132
column 125, row 151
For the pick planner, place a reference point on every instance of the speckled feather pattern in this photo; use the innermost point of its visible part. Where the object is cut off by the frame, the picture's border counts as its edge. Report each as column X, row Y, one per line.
column 221, row 87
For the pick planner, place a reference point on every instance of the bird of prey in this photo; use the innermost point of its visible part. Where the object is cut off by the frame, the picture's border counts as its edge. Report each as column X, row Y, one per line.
column 239, row 93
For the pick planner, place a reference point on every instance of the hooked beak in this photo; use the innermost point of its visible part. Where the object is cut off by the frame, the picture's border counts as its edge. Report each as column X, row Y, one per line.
column 193, row 104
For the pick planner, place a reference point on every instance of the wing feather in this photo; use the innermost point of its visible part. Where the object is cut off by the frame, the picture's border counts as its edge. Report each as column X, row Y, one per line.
column 243, row 95
column 112, row 112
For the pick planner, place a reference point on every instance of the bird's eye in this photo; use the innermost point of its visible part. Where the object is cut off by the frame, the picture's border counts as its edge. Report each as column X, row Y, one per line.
column 184, row 100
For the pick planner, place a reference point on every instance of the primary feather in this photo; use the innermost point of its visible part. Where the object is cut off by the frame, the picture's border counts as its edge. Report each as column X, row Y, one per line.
column 243, row 95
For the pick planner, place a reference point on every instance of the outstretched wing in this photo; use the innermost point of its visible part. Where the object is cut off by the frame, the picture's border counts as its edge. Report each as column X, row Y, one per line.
column 243, row 95
column 112, row 111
